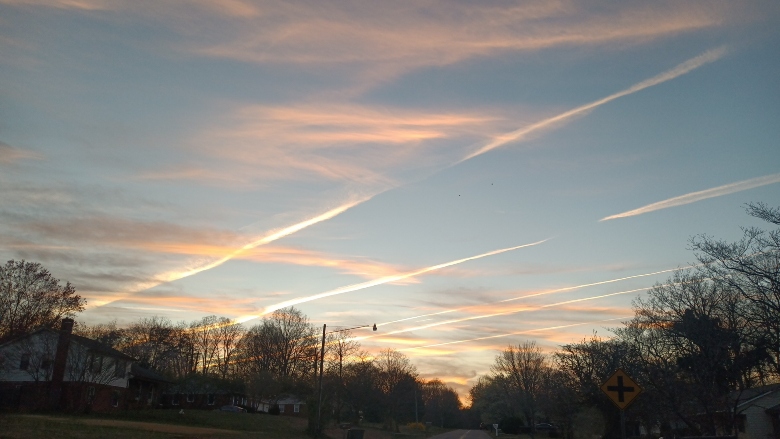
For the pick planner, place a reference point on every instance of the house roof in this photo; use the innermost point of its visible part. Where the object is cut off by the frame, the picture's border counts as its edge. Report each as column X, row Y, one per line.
column 285, row 399
column 96, row 346
column 748, row 396
column 146, row 374
column 91, row 345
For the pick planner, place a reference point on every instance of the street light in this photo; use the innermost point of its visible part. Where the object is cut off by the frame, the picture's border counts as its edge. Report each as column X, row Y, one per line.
column 322, row 363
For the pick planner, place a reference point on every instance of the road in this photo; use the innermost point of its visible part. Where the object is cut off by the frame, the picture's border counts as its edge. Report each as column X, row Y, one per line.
column 463, row 434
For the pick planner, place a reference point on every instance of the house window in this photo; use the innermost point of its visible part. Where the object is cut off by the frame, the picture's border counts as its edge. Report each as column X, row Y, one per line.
column 190, row 397
column 115, row 398
column 210, row 399
column 175, row 399
column 96, row 363
column 139, row 391
column 281, row 408
column 24, row 362
column 120, row 368
column 296, row 408
column 151, row 396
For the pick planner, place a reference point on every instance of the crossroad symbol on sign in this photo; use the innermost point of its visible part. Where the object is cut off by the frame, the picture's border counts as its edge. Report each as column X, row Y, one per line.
column 621, row 389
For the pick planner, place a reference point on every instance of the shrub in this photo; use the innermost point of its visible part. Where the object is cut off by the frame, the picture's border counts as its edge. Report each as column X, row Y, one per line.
column 417, row 426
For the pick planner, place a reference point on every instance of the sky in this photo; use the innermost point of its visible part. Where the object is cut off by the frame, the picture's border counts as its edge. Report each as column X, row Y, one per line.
column 466, row 175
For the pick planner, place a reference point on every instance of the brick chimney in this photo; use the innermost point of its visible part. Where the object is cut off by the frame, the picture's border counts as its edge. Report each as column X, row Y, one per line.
column 60, row 360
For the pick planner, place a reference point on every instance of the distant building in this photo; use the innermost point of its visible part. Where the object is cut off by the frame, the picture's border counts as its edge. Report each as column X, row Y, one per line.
column 288, row 406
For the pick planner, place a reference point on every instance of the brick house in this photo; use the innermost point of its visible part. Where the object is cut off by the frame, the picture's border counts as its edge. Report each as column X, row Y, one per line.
column 288, row 406
column 203, row 392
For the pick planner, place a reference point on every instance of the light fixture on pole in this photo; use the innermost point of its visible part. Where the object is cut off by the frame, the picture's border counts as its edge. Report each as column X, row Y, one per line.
column 318, row 432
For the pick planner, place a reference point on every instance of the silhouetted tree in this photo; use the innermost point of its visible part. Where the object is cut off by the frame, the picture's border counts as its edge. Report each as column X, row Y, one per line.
column 751, row 267
column 31, row 297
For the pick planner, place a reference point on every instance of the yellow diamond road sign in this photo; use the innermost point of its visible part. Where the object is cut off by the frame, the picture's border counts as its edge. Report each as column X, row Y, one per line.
column 621, row 389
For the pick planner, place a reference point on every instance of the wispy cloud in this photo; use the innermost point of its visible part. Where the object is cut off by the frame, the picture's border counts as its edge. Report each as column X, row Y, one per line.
column 357, row 266
column 700, row 195
column 381, row 281
column 10, row 154
column 347, row 142
column 268, row 238
column 378, row 41
column 519, row 134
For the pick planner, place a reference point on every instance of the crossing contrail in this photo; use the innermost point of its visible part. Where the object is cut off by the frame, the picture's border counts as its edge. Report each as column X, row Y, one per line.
column 541, row 293
column 527, row 331
column 500, row 313
column 379, row 281
column 700, row 195
column 687, row 66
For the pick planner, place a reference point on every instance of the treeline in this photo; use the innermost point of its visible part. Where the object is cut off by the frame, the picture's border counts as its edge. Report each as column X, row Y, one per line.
column 280, row 356
column 696, row 344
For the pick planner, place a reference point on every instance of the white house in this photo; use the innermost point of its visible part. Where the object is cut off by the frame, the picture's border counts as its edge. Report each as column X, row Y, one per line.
column 58, row 369
column 759, row 413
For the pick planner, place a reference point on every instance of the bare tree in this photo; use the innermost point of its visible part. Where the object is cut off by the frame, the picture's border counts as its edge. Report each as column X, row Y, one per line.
column 397, row 380
column 691, row 321
column 751, row 267
column 31, row 297
column 442, row 405
column 522, row 370
column 206, row 341
column 284, row 344
column 341, row 350
column 228, row 335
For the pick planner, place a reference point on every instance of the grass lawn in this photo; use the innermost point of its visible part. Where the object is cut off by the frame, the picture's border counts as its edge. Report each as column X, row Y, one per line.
column 166, row 424
column 153, row 424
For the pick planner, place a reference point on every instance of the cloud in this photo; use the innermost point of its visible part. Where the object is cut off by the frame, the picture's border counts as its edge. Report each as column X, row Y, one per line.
column 379, row 40
column 380, row 281
column 10, row 154
column 681, row 69
column 367, row 43
column 700, row 195
column 335, row 141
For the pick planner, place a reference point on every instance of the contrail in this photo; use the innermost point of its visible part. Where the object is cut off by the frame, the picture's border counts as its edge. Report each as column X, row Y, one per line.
column 380, row 281
column 687, row 66
column 271, row 238
column 542, row 293
column 700, row 195
column 681, row 69
column 528, row 331
column 275, row 235
column 514, row 311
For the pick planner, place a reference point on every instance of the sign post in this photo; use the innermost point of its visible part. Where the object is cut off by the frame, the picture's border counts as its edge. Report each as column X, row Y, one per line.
column 622, row 391
column 496, row 427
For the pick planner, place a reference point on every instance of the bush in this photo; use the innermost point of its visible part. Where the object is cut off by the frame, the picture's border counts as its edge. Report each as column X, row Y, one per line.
column 417, row 426
column 510, row 425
